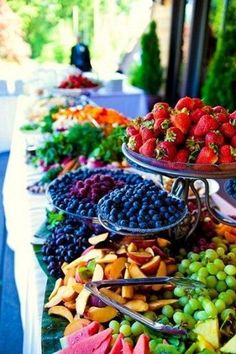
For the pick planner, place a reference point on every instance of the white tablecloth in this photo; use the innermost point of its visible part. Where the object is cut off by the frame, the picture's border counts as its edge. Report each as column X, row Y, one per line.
column 24, row 214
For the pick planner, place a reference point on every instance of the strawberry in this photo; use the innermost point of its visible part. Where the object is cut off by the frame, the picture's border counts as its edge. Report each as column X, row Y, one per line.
column 146, row 133
column 219, row 109
column 207, row 109
column 131, row 131
column 184, row 102
column 222, row 117
column 227, row 154
column 197, row 103
column 182, row 155
column 165, row 151
column 160, row 106
column 174, row 135
column 204, row 125
column 197, row 114
column 193, row 143
column 233, row 141
column 161, row 125
column 228, row 129
column 207, row 155
column 149, row 116
column 135, row 142
column 148, row 148
column 161, row 114
column 232, row 115
column 182, row 121
column 214, row 137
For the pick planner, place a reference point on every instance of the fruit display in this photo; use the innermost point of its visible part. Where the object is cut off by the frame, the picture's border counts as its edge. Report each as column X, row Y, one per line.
column 78, row 81
column 230, row 187
column 79, row 192
column 189, row 133
column 143, row 206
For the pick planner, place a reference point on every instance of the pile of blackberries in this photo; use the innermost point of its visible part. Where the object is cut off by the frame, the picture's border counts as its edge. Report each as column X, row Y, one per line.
column 79, row 192
column 67, row 241
column 142, row 206
column 230, row 187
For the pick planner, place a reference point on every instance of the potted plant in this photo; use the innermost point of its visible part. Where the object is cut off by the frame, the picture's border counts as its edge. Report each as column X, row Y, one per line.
column 148, row 74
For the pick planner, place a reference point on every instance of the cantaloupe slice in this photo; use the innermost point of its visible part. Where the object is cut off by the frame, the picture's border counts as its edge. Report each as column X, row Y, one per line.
column 230, row 346
column 209, row 330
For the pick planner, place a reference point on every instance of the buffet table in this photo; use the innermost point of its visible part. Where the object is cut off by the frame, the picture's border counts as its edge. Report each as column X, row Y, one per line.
column 25, row 212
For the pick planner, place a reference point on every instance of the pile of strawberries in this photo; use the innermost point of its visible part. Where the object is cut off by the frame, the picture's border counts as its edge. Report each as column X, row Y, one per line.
column 76, row 82
column 191, row 132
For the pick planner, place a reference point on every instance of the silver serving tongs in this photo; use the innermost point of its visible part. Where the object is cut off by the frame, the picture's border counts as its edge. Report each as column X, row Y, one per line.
column 94, row 286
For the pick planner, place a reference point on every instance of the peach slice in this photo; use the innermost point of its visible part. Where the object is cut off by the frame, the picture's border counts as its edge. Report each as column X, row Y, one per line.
column 93, row 253
column 162, row 242
column 150, row 250
column 70, row 305
column 132, row 247
column 140, row 257
column 155, row 305
column 171, row 268
column 108, row 258
column 151, row 267
column 55, row 300
column 94, row 240
column 61, row 311
column 101, row 314
column 112, row 295
column 140, row 297
column 75, row 325
column 78, row 287
column 135, row 271
column 161, row 272
column 121, row 251
column 114, row 270
column 70, row 273
column 58, row 284
column 127, row 291
column 137, row 305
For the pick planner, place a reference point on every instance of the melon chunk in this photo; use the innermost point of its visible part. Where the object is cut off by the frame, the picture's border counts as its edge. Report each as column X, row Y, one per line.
column 80, row 334
column 230, row 346
column 209, row 330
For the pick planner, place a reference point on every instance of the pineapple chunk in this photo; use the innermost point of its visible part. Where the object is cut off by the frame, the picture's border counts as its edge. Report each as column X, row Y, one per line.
column 209, row 330
column 230, row 346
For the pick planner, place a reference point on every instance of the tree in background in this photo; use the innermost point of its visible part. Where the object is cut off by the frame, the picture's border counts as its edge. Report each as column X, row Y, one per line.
column 148, row 74
column 12, row 45
column 220, row 85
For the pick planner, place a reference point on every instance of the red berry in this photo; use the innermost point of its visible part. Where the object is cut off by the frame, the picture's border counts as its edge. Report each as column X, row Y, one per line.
column 233, row 141
column 197, row 114
column 149, row 116
column 161, row 114
column 227, row 154
column 148, row 148
column 181, row 121
column 182, row 155
column 161, row 125
column 207, row 156
column 228, row 130
column 219, row 109
column 130, row 131
column 146, row 134
column 222, row 117
column 204, row 125
column 197, row 103
column 214, row 137
column 185, row 102
column 174, row 135
column 135, row 142
column 232, row 115
column 165, row 151
column 160, row 106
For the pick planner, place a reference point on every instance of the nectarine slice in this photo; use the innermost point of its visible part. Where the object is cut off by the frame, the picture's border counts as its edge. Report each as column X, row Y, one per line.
column 127, row 291
column 137, row 305
column 154, row 305
column 114, row 270
column 61, row 311
column 75, row 325
column 112, row 295
column 161, row 272
column 58, row 284
column 151, row 267
column 140, row 257
column 101, row 314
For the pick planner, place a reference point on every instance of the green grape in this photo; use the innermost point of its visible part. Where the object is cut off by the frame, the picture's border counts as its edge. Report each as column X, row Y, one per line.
column 188, row 319
column 221, row 286
column 230, row 281
column 130, row 341
column 195, row 304
column 210, row 309
column 151, row 315
column 188, row 309
column 202, row 279
column 201, row 315
column 168, row 311
column 179, row 274
column 227, row 313
column 226, row 297
column 211, row 281
column 231, row 293
column 125, row 330
column 137, row 328
column 115, row 326
column 233, row 249
column 183, row 300
column 194, row 276
column 231, row 256
column 178, row 317
column 203, row 272
column 230, row 269
column 220, row 305
column 220, row 251
column 181, row 268
column 216, row 239
column 212, row 268
column 212, row 293
column 179, row 291
column 211, row 254
column 222, row 245
column 194, row 267
column 128, row 318
column 152, row 346
column 125, row 322
column 168, row 294
column 185, row 263
column 193, row 256
column 219, row 263
column 182, row 252
column 221, row 275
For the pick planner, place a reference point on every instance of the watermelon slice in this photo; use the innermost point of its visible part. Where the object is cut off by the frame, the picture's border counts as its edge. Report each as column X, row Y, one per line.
column 82, row 333
column 126, row 348
column 117, row 347
column 91, row 345
column 142, row 345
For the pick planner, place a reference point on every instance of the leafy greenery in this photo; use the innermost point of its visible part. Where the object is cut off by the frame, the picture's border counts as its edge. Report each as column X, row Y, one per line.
column 50, row 175
column 53, row 218
column 110, row 147
column 148, row 74
column 220, row 84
